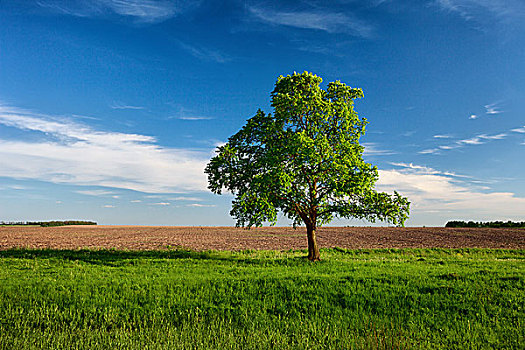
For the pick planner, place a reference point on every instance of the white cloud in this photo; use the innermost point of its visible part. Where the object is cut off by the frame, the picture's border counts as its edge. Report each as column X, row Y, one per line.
column 329, row 22
column 493, row 137
column 183, row 198
column 476, row 140
column 142, row 11
column 502, row 10
column 198, row 205
column 13, row 187
column 68, row 152
column 371, row 149
column 61, row 129
column 78, row 116
column 193, row 118
column 429, row 151
column 431, row 190
column 108, row 206
column 95, row 192
column 183, row 113
column 136, row 201
column 449, row 147
column 118, row 105
column 419, row 169
column 205, row 54
column 472, row 141
column 414, row 167
column 490, row 109
column 146, row 10
column 493, row 108
column 520, row 130
column 161, row 203
column 442, row 136
column 333, row 49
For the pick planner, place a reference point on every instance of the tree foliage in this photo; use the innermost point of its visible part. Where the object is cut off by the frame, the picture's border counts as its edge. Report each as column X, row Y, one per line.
column 304, row 160
column 47, row 223
column 490, row 224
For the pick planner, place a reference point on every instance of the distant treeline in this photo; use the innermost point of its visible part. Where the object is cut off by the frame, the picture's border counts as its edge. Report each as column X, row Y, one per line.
column 49, row 223
column 492, row 224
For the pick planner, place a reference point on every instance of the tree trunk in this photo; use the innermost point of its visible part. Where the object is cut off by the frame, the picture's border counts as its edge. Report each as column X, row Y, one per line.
column 313, row 249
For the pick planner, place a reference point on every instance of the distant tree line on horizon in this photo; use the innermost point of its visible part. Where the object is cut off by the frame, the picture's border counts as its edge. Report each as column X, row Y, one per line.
column 490, row 224
column 48, row 223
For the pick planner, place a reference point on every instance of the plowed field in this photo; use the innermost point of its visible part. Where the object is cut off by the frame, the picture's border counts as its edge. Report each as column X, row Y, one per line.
column 275, row 238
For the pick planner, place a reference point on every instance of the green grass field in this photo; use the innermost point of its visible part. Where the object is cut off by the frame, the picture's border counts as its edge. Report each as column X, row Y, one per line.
column 364, row 299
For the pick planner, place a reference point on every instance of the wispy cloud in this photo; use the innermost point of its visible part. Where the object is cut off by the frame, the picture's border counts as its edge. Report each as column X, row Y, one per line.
column 490, row 109
column 471, row 141
column 432, row 190
column 198, row 205
column 193, row 118
column 493, row 108
column 205, row 54
column 419, row 169
column 493, row 137
column 323, row 20
column 95, row 192
column 502, row 10
column 442, row 136
column 118, row 105
column 475, row 140
column 142, row 11
column 108, row 206
column 183, row 113
column 78, row 116
column 184, row 198
column 14, row 187
column 371, row 149
column 69, row 152
column 161, row 203
column 333, row 48
column 448, row 147
column 429, row 151
column 519, row 130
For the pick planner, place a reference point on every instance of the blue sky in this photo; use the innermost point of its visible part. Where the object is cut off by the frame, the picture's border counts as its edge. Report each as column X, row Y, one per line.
column 110, row 109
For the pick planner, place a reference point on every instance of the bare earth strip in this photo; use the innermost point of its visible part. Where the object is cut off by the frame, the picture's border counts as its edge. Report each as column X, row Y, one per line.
column 275, row 238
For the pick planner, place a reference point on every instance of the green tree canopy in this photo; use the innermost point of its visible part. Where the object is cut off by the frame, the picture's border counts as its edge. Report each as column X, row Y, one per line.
column 304, row 160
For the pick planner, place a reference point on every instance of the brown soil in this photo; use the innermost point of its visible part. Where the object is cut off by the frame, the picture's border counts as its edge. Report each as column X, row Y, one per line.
column 278, row 238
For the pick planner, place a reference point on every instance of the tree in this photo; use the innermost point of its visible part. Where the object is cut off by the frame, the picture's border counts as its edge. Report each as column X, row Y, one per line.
column 304, row 160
